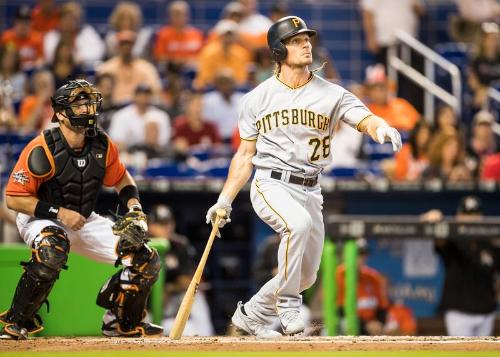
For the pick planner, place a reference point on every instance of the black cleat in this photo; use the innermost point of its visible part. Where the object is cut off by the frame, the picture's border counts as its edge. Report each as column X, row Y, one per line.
column 13, row 332
column 144, row 329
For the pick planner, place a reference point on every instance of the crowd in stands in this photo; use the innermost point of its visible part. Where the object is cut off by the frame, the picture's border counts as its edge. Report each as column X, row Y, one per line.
column 169, row 89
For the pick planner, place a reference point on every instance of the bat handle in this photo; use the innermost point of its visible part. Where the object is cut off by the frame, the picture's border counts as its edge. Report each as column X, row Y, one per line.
column 221, row 213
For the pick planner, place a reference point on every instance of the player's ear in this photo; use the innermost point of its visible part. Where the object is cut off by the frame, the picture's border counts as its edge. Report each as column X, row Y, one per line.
column 60, row 116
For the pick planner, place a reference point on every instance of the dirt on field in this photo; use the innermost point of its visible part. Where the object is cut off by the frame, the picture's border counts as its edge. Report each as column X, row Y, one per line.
column 247, row 344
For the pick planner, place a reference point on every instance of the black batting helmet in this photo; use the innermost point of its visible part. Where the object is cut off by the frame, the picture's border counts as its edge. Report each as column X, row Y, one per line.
column 65, row 97
column 283, row 29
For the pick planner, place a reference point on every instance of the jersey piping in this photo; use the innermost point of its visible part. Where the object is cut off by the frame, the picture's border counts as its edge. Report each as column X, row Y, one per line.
column 311, row 76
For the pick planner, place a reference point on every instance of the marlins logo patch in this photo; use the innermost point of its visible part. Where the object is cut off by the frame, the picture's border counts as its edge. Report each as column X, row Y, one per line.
column 20, row 177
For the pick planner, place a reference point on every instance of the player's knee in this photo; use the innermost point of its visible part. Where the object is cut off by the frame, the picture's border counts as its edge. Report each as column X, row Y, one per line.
column 301, row 226
column 50, row 253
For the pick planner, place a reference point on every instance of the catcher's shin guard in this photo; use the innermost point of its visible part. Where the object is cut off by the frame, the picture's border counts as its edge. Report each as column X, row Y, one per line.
column 125, row 294
column 49, row 256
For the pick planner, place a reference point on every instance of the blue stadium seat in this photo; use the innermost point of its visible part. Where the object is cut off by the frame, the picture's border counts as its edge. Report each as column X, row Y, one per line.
column 455, row 52
column 169, row 169
column 344, row 172
column 374, row 151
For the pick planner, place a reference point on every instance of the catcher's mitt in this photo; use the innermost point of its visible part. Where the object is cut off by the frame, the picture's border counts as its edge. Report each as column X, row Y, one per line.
column 132, row 229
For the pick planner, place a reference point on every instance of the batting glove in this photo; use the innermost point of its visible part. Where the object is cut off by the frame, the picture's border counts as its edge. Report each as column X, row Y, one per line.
column 385, row 132
column 224, row 203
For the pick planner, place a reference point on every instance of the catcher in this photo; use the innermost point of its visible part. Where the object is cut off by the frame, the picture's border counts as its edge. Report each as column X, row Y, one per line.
column 54, row 188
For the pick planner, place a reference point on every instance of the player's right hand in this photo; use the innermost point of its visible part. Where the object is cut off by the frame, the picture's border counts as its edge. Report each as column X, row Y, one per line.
column 70, row 218
column 223, row 203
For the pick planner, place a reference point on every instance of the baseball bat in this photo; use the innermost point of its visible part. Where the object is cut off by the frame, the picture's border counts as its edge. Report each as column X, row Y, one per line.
column 187, row 302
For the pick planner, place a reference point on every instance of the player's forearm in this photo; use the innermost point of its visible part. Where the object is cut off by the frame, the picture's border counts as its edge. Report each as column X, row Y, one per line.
column 22, row 204
column 370, row 124
column 240, row 171
column 127, row 180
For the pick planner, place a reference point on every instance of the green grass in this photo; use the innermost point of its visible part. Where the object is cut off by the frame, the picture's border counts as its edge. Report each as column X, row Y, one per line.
column 254, row 354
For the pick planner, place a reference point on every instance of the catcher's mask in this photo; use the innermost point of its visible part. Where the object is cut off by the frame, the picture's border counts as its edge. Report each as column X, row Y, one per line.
column 74, row 94
column 282, row 30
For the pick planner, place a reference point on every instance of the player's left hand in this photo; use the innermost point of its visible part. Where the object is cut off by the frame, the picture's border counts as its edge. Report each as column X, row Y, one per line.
column 387, row 132
column 132, row 229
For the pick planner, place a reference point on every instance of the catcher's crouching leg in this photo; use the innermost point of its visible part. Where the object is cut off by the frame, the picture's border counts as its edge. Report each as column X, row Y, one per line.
column 49, row 256
column 125, row 296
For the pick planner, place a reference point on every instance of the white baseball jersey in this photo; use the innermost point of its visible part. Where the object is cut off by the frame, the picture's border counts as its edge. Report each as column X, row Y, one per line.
column 294, row 127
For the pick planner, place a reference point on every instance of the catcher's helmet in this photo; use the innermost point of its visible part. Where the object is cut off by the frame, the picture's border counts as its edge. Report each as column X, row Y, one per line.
column 283, row 29
column 76, row 90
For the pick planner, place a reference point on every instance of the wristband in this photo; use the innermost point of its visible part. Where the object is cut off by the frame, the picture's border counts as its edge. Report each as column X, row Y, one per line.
column 127, row 193
column 46, row 210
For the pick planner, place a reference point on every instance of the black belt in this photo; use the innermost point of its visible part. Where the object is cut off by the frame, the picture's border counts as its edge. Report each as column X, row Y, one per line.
column 303, row 181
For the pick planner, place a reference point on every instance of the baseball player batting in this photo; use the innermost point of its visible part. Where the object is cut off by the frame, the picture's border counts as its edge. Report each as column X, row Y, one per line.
column 54, row 187
column 287, row 125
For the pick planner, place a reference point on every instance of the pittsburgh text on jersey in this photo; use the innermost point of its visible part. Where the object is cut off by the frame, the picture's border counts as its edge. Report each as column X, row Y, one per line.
column 292, row 117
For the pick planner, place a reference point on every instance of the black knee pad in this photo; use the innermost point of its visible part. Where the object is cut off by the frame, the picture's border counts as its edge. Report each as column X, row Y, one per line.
column 50, row 254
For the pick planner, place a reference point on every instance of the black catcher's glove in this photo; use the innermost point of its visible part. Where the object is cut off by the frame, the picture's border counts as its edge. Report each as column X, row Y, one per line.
column 132, row 229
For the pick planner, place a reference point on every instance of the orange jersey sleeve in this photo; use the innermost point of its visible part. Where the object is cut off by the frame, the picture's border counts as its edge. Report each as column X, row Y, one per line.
column 115, row 169
column 22, row 182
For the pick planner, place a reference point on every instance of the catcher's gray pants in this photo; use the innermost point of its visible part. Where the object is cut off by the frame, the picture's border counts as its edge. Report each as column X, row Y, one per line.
column 95, row 240
column 295, row 213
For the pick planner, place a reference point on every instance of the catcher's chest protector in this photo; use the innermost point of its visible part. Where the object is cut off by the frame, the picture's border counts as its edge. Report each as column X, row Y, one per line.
column 78, row 177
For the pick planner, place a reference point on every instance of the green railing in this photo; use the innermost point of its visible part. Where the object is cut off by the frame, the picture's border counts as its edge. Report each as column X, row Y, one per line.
column 328, row 272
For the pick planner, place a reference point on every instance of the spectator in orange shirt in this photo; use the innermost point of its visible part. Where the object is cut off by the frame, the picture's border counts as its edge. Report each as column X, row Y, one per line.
column 178, row 42
column 36, row 109
column 400, row 321
column 372, row 299
column 45, row 16
column 221, row 54
column 397, row 111
column 28, row 42
column 412, row 160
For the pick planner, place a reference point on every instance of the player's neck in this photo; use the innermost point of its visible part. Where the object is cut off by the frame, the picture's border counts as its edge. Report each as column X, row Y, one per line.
column 294, row 76
column 74, row 138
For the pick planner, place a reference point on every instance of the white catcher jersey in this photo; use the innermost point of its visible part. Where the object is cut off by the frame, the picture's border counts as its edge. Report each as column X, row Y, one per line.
column 294, row 127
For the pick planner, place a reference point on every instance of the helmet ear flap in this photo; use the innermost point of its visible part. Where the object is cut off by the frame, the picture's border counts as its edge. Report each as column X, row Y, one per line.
column 279, row 52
